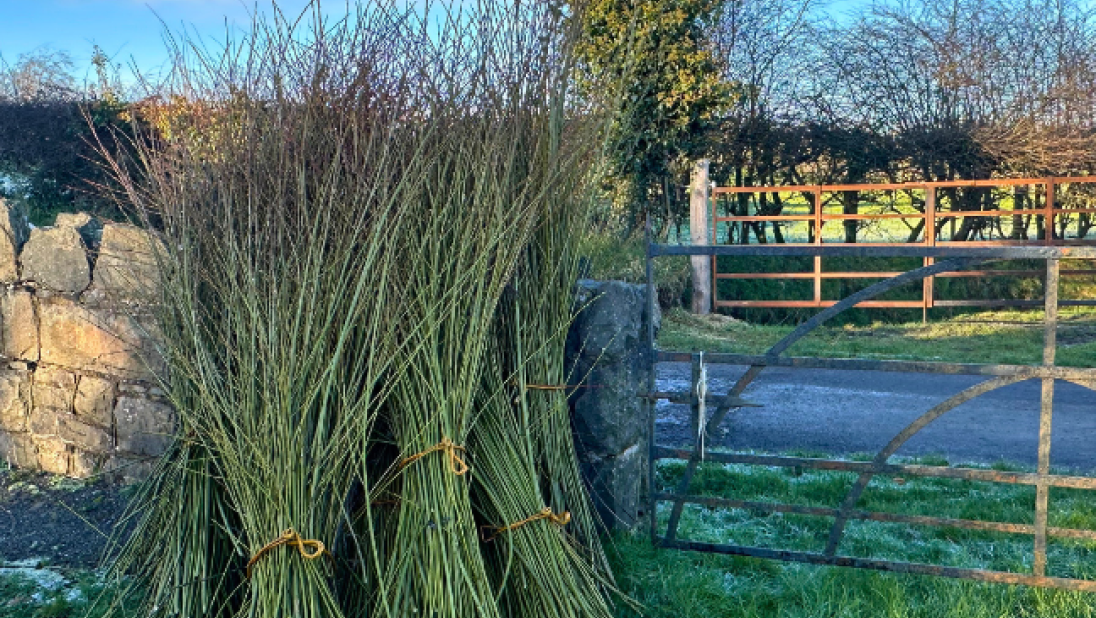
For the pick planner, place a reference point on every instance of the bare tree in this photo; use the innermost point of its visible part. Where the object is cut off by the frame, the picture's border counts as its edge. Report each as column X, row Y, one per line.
column 971, row 89
column 43, row 74
column 762, row 45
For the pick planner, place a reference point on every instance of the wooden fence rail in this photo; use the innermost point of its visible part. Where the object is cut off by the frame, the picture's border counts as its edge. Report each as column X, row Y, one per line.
column 932, row 219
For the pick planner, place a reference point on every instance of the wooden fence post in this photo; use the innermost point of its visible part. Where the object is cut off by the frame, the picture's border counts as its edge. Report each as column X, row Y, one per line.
column 700, row 234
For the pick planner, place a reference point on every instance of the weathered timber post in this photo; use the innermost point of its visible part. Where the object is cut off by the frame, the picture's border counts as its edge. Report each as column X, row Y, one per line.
column 699, row 234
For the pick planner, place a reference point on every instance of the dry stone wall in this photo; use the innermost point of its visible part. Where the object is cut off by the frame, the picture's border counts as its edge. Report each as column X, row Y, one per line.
column 78, row 359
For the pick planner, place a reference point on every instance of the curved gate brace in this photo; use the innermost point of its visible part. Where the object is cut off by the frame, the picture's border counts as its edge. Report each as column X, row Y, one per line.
column 857, row 490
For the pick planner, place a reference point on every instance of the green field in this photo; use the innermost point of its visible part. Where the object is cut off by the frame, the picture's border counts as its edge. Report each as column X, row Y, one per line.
column 1006, row 337
column 904, row 229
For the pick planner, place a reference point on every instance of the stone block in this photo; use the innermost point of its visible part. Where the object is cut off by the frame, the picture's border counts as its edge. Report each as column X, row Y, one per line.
column 14, row 230
column 18, row 325
column 46, row 422
column 128, row 470
column 143, row 426
column 98, row 340
column 611, row 321
column 14, row 401
column 18, row 450
column 84, row 436
column 54, row 389
column 606, row 345
column 89, row 227
column 616, row 485
column 53, row 455
column 127, row 267
column 56, row 258
column 94, row 401
column 83, row 464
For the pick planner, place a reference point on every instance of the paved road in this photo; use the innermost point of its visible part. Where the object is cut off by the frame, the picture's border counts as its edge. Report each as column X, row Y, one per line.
column 844, row 412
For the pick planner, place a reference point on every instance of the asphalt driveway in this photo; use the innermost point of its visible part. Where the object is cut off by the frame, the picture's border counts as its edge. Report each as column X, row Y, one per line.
column 847, row 412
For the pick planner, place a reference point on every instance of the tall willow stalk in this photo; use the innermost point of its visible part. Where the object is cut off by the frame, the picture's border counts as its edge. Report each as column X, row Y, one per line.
column 543, row 309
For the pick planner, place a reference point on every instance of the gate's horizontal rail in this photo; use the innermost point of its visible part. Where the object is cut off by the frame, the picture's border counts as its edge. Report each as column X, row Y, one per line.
column 923, row 520
column 1011, row 303
column 897, row 304
column 968, row 474
column 793, row 304
column 875, row 274
column 999, row 577
column 859, row 364
column 881, row 251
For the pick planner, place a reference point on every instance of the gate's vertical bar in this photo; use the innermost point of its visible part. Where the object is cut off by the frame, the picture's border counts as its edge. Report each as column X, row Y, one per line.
column 694, row 402
column 1050, row 342
column 928, row 292
column 652, row 365
column 696, row 427
column 818, row 241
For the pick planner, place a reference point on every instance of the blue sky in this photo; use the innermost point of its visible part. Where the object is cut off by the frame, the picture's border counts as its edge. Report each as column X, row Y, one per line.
column 127, row 30
column 132, row 30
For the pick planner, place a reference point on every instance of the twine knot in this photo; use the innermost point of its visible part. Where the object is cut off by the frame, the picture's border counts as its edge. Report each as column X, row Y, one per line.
column 291, row 538
column 456, row 463
column 560, row 519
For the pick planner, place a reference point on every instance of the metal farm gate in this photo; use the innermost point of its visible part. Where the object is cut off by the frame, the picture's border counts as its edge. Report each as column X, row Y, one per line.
column 938, row 260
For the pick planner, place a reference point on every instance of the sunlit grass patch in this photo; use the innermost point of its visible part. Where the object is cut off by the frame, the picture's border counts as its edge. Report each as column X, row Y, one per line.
column 1001, row 337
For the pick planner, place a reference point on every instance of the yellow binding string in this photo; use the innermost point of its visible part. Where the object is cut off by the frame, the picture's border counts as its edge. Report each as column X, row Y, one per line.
column 456, row 464
column 560, row 519
column 291, row 538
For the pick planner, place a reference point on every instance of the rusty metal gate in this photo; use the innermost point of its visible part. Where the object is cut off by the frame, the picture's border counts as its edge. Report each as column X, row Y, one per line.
column 944, row 260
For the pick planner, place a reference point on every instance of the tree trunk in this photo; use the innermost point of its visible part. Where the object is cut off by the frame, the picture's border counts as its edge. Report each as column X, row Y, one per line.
column 778, row 208
column 1019, row 229
column 850, row 201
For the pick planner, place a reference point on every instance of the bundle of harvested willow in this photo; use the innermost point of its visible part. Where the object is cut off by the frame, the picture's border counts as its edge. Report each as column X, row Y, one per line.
column 369, row 236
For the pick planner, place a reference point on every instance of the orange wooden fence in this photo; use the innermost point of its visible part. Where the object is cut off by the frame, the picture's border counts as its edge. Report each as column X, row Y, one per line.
column 933, row 218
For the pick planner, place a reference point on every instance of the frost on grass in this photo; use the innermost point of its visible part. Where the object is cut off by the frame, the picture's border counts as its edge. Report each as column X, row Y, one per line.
column 941, row 497
column 30, row 585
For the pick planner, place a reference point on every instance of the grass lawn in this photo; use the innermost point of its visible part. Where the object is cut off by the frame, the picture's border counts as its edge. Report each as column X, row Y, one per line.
column 52, row 593
column 1006, row 337
column 682, row 584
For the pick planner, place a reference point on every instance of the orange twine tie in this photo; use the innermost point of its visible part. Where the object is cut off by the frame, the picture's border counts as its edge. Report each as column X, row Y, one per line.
column 291, row 538
column 560, row 519
column 456, row 464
